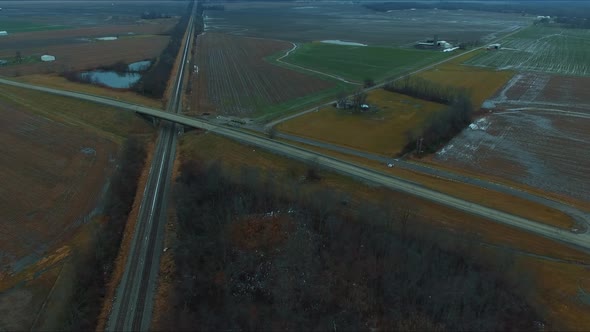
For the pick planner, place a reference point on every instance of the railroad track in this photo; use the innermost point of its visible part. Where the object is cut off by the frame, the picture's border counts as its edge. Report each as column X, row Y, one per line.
column 133, row 304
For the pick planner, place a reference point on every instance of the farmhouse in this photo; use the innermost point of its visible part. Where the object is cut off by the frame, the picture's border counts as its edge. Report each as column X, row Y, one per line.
column 494, row 47
column 47, row 58
column 3, row 33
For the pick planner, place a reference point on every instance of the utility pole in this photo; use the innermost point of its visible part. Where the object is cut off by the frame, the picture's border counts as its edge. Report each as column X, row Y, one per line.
column 420, row 145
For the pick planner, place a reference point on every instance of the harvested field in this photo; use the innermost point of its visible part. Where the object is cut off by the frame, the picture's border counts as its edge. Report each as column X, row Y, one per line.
column 539, row 149
column 381, row 130
column 55, row 161
column 234, row 76
column 542, row 49
column 482, row 82
column 352, row 22
column 88, row 55
column 27, row 40
column 544, row 90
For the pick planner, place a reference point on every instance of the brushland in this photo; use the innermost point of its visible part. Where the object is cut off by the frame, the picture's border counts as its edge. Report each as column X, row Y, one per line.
column 59, row 155
column 494, row 240
column 358, row 63
column 272, row 258
column 381, row 130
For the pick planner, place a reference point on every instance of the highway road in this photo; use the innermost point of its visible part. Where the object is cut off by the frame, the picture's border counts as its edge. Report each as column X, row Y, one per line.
column 581, row 218
column 359, row 172
column 133, row 304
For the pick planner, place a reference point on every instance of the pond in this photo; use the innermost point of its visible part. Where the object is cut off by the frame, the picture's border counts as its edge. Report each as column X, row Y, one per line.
column 117, row 80
column 112, row 79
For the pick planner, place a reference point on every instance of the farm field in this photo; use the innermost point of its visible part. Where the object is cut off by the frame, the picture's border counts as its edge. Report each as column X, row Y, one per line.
column 534, row 135
column 23, row 41
column 538, row 149
column 235, row 79
column 482, row 82
column 542, row 49
column 23, row 26
column 87, row 55
column 352, row 22
column 361, row 62
column 529, row 89
column 381, row 130
column 56, row 155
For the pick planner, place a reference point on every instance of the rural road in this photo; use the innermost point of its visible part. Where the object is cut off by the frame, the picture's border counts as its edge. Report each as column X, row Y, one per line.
column 133, row 303
column 359, row 172
column 581, row 218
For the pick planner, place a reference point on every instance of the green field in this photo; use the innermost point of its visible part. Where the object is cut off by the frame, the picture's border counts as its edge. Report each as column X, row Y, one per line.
column 23, row 26
column 361, row 62
column 548, row 49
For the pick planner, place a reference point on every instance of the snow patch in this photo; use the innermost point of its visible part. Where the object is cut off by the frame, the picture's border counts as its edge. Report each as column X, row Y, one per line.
column 340, row 42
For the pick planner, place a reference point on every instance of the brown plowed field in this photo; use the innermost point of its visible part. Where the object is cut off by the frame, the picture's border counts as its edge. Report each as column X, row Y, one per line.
column 88, row 55
column 55, row 160
column 527, row 88
column 235, row 79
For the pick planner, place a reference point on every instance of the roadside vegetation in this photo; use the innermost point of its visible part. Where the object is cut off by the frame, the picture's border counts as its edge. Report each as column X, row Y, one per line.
column 90, row 269
column 252, row 255
column 444, row 125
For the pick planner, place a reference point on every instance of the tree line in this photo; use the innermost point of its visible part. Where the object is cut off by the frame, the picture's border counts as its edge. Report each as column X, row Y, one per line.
column 444, row 125
column 91, row 269
column 257, row 253
column 420, row 88
column 154, row 82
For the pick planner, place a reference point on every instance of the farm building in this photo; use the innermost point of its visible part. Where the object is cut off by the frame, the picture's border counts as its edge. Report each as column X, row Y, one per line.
column 3, row 33
column 494, row 46
column 433, row 43
column 47, row 58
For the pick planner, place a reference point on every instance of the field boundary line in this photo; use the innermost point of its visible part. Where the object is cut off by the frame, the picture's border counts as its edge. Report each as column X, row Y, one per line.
column 336, row 77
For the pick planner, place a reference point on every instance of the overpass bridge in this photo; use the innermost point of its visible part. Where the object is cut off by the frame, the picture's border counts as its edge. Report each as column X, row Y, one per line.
column 580, row 240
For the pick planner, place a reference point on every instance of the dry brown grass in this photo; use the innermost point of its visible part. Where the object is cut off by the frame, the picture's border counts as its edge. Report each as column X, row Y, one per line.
column 482, row 82
column 382, row 132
